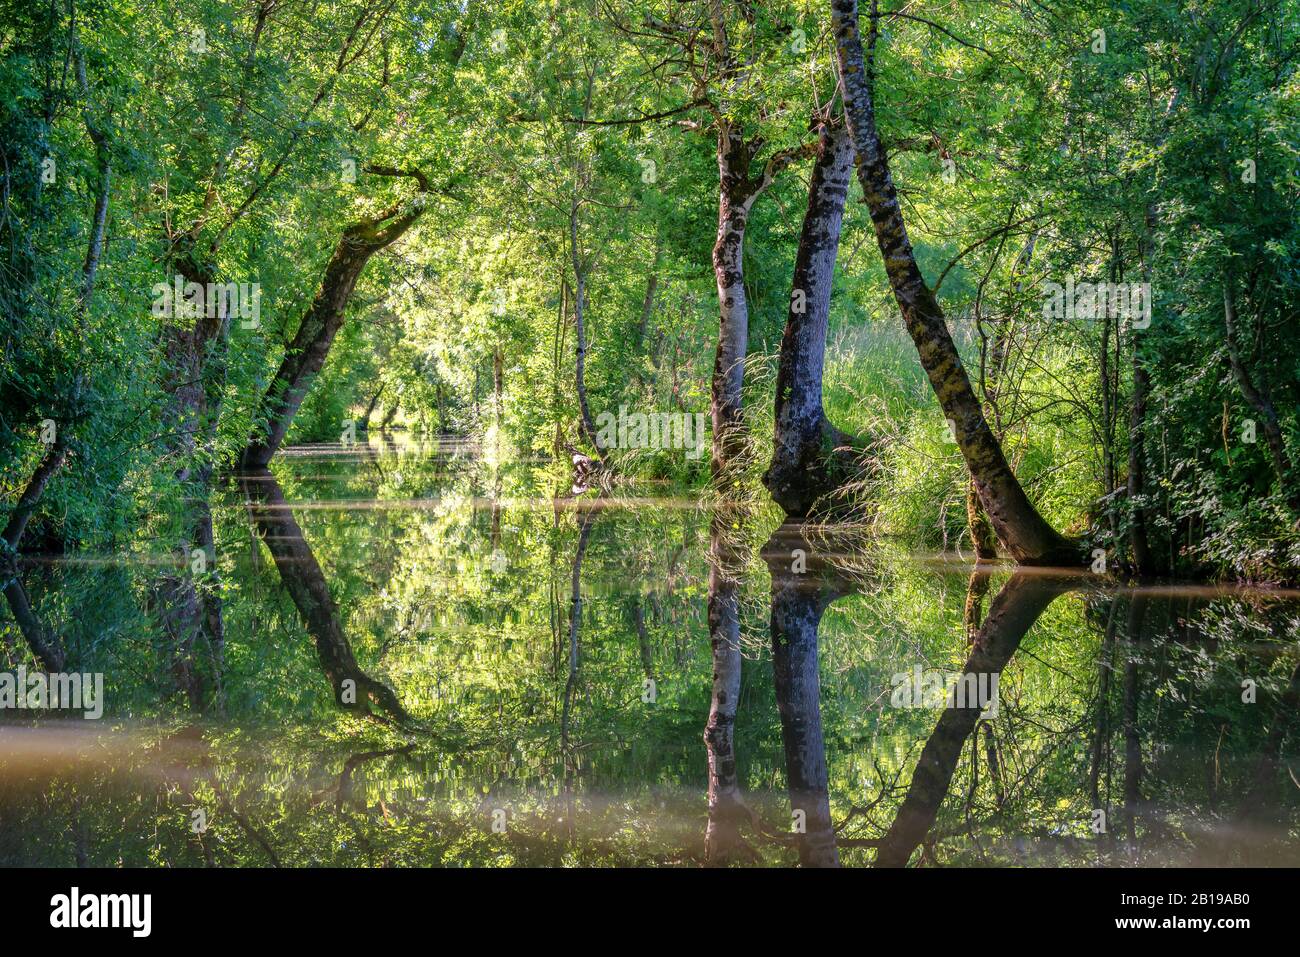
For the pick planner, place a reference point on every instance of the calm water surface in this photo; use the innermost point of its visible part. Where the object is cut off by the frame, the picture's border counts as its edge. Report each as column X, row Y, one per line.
column 431, row 661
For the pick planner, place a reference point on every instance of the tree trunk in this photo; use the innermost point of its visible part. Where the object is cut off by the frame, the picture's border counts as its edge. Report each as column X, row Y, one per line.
column 1022, row 531
column 50, row 464
column 733, row 326
column 370, row 409
column 808, row 456
column 580, row 341
column 981, row 533
column 1139, row 519
column 195, row 350
column 57, row 454
column 310, row 347
column 1258, row 398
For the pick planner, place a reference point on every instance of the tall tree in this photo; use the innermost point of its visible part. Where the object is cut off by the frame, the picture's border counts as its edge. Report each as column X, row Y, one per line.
column 1021, row 529
column 810, row 457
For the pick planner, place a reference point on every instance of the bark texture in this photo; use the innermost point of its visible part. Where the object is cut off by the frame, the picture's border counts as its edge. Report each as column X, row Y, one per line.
column 1023, row 532
column 810, row 457
column 306, row 354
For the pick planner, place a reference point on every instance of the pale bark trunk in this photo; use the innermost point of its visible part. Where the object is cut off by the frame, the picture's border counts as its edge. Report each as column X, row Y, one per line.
column 1023, row 532
column 733, row 328
column 808, row 456
column 580, row 340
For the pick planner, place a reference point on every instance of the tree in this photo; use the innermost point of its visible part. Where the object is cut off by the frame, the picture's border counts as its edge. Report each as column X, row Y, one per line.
column 1024, row 533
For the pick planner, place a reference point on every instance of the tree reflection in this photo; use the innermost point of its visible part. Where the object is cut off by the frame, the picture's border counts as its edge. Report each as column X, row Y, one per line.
column 306, row 584
column 1012, row 613
column 804, row 584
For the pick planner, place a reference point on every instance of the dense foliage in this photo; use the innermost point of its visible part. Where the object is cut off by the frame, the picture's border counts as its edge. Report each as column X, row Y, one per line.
column 571, row 147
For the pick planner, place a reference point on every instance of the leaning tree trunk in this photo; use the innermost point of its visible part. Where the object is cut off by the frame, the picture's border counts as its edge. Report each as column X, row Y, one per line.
column 49, row 465
column 364, row 425
column 311, row 344
column 1023, row 532
column 808, row 456
column 43, row 642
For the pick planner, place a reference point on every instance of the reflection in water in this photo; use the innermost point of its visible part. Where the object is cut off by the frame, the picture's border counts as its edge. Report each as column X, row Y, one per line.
column 723, row 843
column 305, row 582
column 1013, row 612
column 586, row 518
column 516, row 634
column 803, row 586
column 42, row 642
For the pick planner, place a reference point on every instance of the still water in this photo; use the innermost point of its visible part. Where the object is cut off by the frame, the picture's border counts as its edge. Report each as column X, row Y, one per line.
column 432, row 661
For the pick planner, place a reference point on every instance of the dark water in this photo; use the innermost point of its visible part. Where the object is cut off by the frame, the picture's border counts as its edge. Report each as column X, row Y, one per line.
column 404, row 681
